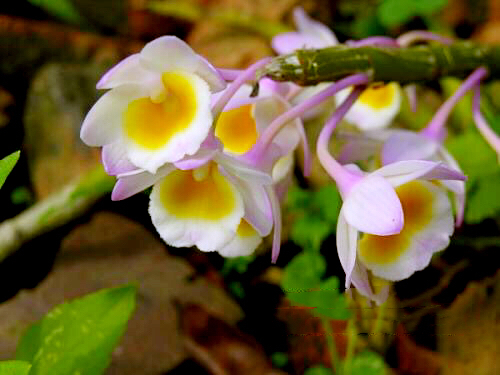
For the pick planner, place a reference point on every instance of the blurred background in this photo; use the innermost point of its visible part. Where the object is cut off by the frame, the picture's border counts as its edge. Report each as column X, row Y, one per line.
column 53, row 52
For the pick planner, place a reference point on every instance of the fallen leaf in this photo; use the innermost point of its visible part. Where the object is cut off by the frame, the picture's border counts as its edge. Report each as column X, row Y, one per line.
column 110, row 251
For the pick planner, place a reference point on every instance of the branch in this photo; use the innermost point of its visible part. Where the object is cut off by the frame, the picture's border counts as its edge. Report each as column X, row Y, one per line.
column 405, row 65
column 54, row 211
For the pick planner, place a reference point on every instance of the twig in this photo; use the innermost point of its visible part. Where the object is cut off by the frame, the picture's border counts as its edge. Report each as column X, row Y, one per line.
column 54, row 211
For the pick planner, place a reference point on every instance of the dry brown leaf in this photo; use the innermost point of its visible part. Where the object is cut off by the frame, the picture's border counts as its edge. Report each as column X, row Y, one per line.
column 110, row 251
column 220, row 347
column 469, row 330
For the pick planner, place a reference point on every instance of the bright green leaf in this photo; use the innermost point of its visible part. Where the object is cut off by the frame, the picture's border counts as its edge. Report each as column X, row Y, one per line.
column 483, row 200
column 368, row 363
column 330, row 301
column 427, row 7
column 297, row 198
column 78, row 337
column 14, row 368
column 319, row 370
column 473, row 154
column 309, row 232
column 6, row 165
column 302, row 274
column 328, row 201
column 239, row 264
column 395, row 12
column 62, row 9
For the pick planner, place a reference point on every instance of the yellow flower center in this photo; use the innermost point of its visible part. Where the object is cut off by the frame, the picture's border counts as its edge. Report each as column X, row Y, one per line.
column 379, row 96
column 152, row 122
column 237, row 129
column 417, row 202
column 199, row 194
column 245, row 229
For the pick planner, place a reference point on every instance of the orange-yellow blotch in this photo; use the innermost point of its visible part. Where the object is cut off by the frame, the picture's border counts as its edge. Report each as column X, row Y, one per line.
column 151, row 124
column 379, row 96
column 237, row 129
column 245, row 229
column 187, row 197
column 417, row 202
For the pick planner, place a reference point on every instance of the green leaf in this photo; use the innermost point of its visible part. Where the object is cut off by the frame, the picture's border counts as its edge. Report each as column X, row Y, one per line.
column 318, row 370
column 279, row 359
column 328, row 201
column 239, row 264
column 297, row 198
column 395, row 12
column 14, row 367
column 302, row 274
column 309, row 232
column 303, row 286
column 368, row 363
column 483, row 200
column 329, row 301
column 473, row 154
column 427, row 7
column 6, row 165
column 62, row 9
column 78, row 337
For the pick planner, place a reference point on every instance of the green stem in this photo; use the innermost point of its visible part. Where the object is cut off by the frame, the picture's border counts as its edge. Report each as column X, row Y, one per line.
column 54, row 211
column 352, row 335
column 405, row 65
column 377, row 328
column 332, row 347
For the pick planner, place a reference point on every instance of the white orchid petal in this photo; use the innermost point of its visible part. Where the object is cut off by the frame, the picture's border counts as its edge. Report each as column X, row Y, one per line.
column 362, row 283
column 429, row 225
column 244, row 242
column 257, row 206
column 207, row 71
column 347, row 238
column 372, row 206
column 369, row 115
column 289, row 42
column 276, row 213
column 127, row 71
column 243, row 170
column 149, row 150
column 103, row 123
column 169, row 53
column 188, row 209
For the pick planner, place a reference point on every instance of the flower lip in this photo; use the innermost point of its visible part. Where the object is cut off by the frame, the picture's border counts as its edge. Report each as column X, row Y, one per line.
column 199, row 207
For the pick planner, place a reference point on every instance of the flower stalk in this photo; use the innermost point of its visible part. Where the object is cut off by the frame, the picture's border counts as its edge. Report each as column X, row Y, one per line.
column 419, row 63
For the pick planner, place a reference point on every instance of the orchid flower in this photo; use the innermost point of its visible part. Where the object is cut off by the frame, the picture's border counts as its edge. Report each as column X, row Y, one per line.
column 377, row 106
column 158, row 107
column 402, row 216
column 216, row 199
column 392, row 145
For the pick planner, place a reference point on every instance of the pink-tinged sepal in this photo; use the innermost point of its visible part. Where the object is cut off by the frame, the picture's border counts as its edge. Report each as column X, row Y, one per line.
column 134, row 182
column 347, row 238
column 407, row 145
column 407, row 170
column 114, row 159
column 372, row 206
column 310, row 34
